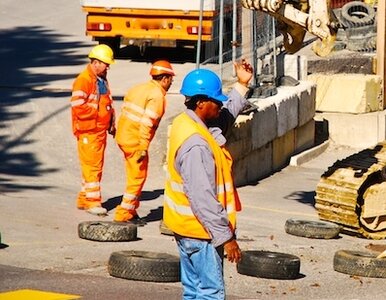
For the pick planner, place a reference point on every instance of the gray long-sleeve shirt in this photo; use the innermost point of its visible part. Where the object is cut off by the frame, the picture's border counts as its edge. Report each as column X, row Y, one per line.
column 195, row 163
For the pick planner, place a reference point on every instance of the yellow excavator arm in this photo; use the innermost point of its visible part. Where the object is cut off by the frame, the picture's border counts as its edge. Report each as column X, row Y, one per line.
column 295, row 18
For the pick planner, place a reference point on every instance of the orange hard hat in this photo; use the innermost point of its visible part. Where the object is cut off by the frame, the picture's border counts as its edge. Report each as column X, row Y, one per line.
column 161, row 67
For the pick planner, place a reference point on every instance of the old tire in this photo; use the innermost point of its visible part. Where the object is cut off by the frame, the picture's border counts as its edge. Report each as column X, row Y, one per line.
column 312, row 229
column 144, row 266
column 105, row 231
column 357, row 13
column 266, row 264
column 359, row 263
column 164, row 229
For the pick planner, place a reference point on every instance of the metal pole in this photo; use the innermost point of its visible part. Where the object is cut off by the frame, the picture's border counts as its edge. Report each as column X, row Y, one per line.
column 198, row 53
column 234, row 35
column 220, row 37
column 274, row 51
column 254, row 42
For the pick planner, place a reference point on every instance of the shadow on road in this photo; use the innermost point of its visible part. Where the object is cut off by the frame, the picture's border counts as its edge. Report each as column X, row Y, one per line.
column 24, row 50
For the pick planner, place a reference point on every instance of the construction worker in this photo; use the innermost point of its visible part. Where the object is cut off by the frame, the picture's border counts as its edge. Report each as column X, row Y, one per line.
column 142, row 110
column 200, row 200
column 92, row 117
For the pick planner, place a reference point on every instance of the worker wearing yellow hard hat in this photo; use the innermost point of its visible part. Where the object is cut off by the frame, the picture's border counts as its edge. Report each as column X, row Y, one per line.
column 92, row 118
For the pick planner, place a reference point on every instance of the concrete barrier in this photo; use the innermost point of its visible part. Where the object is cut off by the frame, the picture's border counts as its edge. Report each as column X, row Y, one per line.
column 264, row 141
column 348, row 93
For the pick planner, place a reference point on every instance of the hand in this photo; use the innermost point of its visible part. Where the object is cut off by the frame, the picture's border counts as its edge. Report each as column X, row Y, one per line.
column 112, row 130
column 232, row 251
column 142, row 154
column 244, row 72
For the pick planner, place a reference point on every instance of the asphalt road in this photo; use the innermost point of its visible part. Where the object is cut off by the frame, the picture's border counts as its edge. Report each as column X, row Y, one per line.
column 43, row 48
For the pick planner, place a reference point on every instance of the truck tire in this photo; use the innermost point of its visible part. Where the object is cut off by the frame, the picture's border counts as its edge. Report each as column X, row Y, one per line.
column 312, row 229
column 357, row 13
column 144, row 266
column 113, row 42
column 107, row 231
column 359, row 263
column 266, row 264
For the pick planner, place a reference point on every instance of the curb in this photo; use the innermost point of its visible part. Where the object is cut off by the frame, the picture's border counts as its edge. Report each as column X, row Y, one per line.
column 309, row 154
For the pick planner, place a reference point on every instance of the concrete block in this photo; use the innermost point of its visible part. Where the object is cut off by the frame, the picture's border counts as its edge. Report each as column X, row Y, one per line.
column 282, row 149
column 357, row 131
column 287, row 113
column 381, row 126
column 239, row 148
column 242, row 128
column 256, row 165
column 264, row 124
column 307, row 104
column 240, row 171
column 309, row 154
column 260, row 165
column 305, row 136
column 347, row 93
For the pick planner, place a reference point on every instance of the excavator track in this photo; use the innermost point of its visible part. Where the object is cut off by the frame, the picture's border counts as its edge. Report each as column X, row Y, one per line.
column 350, row 189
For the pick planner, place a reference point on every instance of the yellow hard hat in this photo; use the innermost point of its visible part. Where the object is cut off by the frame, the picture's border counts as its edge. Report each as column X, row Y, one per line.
column 161, row 67
column 103, row 53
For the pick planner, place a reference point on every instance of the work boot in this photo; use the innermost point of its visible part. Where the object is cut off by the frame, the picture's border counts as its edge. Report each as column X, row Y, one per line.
column 97, row 210
column 92, row 206
column 128, row 216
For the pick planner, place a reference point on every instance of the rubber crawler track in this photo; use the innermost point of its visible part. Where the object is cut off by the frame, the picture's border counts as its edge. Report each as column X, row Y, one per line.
column 339, row 193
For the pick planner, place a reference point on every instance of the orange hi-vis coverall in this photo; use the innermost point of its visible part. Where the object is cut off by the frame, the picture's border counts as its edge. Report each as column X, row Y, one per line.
column 142, row 110
column 92, row 114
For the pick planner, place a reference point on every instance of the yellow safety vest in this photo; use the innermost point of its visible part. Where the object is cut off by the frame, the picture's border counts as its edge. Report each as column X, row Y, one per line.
column 178, row 215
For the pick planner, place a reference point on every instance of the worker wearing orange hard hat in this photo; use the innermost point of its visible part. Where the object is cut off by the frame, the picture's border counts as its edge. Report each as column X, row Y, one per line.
column 142, row 110
column 92, row 117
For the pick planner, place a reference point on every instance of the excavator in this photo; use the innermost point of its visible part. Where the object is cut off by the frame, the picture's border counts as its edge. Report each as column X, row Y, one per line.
column 352, row 192
column 295, row 18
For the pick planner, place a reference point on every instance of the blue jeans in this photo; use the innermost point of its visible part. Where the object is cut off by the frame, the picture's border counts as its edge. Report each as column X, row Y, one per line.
column 201, row 269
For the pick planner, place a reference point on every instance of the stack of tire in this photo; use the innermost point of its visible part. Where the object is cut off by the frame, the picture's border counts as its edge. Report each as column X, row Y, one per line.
column 359, row 23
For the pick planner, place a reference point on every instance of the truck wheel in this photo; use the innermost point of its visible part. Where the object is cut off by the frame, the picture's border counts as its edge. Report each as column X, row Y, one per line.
column 113, row 42
column 107, row 231
column 357, row 13
column 312, row 229
column 266, row 264
column 144, row 266
column 359, row 263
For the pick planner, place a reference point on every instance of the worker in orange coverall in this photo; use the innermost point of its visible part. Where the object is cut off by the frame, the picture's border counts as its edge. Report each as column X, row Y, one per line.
column 142, row 110
column 92, row 117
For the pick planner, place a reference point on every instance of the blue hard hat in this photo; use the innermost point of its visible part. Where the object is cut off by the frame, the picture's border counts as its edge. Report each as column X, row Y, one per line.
column 203, row 82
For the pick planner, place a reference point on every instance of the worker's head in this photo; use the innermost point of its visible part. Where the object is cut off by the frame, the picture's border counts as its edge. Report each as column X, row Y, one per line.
column 162, row 71
column 103, row 53
column 101, row 57
column 203, row 91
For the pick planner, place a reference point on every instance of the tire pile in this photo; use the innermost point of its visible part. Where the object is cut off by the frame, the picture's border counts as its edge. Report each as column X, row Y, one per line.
column 359, row 23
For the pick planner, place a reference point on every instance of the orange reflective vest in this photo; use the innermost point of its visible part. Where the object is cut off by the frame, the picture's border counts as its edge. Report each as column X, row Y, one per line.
column 142, row 110
column 178, row 215
column 91, row 110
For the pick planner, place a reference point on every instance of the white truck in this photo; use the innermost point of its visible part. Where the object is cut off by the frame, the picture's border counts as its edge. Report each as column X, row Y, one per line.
column 168, row 23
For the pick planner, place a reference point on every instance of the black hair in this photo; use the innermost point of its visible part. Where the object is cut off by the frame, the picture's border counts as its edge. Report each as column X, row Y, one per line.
column 191, row 102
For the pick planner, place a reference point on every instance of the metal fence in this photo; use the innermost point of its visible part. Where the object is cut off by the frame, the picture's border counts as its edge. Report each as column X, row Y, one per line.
column 253, row 39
